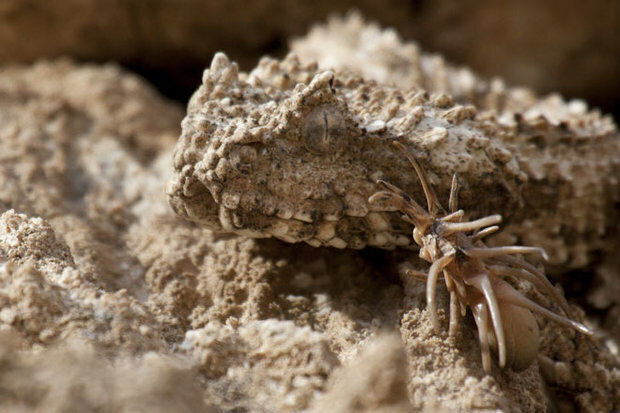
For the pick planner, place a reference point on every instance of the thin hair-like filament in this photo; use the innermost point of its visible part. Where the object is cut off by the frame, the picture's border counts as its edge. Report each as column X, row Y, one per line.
column 431, row 286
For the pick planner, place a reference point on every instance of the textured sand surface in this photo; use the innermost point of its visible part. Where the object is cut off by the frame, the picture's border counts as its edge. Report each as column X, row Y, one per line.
column 109, row 302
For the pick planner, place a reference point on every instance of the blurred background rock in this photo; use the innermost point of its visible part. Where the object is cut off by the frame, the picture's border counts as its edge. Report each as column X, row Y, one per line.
column 553, row 45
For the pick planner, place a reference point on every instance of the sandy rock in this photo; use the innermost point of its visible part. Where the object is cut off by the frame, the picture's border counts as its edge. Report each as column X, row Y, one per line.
column 530, row 43
column 172, row 41
column 266, row 365
column 73, row 377
column 375, row 381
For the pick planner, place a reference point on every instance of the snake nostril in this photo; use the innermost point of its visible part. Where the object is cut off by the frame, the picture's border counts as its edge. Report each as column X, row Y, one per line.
column 243, row 157
column 194, row 202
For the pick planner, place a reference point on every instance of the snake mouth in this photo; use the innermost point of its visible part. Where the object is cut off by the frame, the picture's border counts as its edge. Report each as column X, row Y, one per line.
column 375, row 229
column 346, row 223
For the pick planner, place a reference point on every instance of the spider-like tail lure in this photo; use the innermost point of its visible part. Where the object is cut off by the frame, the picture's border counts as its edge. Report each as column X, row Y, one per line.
column 474, row 274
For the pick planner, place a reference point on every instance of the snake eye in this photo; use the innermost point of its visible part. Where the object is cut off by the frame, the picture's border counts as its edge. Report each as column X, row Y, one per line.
column 324, row 129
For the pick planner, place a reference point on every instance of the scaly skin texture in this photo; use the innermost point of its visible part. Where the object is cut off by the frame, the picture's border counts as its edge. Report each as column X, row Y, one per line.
column 294, row 152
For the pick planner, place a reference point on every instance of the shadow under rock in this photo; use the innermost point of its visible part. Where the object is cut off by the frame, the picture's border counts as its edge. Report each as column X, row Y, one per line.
column 312, row 283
